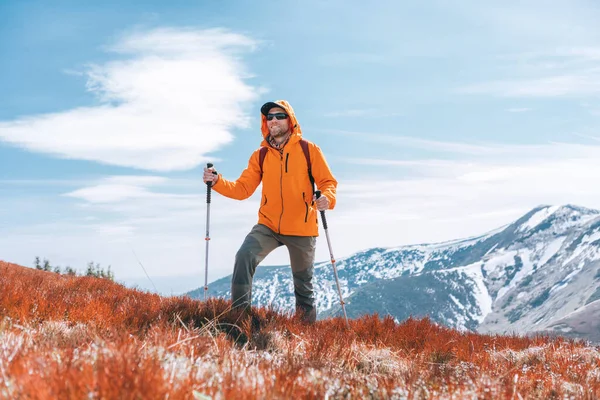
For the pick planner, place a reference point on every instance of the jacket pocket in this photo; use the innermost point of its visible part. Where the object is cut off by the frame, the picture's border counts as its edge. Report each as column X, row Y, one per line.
column 306, row 207
column 264, row 203
column 287, row 156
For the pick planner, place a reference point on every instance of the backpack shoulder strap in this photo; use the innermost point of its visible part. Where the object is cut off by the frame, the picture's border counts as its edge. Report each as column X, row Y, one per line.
column 304, row 145
column 261, row 157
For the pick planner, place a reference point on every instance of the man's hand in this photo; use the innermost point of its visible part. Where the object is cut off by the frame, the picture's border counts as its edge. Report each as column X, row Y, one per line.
column 322, row 202
column 209, row 176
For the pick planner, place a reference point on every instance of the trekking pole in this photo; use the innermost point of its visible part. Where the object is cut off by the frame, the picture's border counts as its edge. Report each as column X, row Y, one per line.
column 207, row 238
column 318, row 194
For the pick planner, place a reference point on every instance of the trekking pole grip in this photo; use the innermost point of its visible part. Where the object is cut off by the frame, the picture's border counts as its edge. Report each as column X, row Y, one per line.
column 318, row 194
column 209, row 184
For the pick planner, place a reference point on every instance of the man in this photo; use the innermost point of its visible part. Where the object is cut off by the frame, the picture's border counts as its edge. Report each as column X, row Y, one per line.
column 287, row 215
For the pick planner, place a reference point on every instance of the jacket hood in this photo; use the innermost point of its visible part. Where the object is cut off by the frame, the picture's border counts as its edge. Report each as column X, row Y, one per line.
column 296, row 131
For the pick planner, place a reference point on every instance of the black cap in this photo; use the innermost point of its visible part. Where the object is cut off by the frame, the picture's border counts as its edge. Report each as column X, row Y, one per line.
column 268, row 105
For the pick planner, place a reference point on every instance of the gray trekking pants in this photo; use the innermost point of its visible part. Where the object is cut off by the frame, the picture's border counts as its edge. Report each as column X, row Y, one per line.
column 258, row 244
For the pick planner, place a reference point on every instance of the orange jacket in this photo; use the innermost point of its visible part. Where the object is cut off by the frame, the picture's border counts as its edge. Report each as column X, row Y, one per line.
column 286, row 205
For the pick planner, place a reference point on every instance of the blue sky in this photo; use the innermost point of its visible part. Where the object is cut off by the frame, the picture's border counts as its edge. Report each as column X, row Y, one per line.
column 439, row 121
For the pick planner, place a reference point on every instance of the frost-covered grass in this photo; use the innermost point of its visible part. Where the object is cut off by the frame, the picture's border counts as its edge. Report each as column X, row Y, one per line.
column 67, row 337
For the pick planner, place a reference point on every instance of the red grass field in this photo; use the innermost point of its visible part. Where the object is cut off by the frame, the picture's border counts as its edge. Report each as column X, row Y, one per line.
column 68, row 337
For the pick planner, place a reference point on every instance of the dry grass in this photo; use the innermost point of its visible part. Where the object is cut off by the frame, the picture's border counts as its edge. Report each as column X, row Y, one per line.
column 65, row 337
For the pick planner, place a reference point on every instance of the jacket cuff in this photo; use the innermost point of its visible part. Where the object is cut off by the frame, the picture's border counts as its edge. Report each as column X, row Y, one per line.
column 218, row 182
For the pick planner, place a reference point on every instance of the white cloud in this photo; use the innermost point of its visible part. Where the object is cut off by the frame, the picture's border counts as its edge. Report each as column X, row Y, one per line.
column 175, row 97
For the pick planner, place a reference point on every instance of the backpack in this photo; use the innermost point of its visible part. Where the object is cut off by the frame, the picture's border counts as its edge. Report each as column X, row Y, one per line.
column 304, row 145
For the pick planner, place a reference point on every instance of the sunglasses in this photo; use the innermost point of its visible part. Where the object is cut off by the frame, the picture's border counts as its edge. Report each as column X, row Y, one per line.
column 279, row 116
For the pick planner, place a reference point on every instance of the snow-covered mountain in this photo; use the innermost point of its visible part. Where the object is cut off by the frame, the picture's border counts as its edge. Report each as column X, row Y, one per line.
column 531, row 275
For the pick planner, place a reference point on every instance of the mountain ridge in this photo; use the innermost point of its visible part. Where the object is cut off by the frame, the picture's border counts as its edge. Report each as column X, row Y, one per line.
column 524, row 276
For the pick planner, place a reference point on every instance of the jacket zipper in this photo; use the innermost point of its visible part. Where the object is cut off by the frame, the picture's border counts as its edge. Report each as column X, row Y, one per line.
column 281, row 191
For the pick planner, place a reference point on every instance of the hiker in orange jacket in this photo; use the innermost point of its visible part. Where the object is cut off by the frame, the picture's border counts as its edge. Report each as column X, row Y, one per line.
column 288, row 209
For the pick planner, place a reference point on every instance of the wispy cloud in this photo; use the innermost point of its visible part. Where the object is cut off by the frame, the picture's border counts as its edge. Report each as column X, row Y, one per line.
column 590, row 137
column 115, row 230
column 349, row 58
column 118, row 188
column 584, row 83
column 347, row 113
column 552, row 72
column 555, row 52
column 370, row 113
column 592, row 108
column 404, row 163
column 110, row 193
column 466, row 196
column 440, row 201
column 150, row 199
column 42, row 182
column 421, row 167
column 175, row 97
column 534, row 23
column 518, row 110
column 462, row 148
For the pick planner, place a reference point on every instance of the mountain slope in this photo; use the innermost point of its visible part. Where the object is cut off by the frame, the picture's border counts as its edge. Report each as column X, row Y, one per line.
column 584, row 322
column 69, row 337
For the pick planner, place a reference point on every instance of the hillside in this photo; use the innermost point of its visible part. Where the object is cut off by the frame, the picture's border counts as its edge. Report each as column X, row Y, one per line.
column 83, row 337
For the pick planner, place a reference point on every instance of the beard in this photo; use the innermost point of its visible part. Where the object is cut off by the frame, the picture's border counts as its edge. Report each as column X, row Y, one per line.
column 277, row 131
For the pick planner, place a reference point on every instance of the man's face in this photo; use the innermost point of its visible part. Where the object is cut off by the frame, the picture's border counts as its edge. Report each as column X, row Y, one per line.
column 278, row 127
